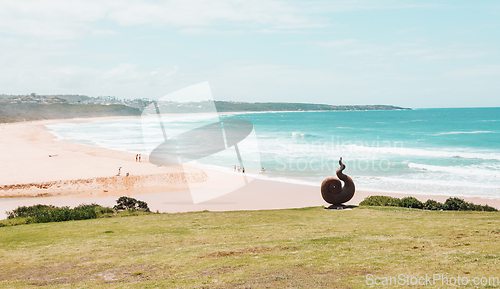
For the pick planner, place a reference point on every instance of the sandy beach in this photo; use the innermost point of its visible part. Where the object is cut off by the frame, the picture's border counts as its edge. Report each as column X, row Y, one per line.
column 37, row 169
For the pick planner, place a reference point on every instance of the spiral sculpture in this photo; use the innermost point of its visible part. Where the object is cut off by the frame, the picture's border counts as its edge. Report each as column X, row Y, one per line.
column 332, row 190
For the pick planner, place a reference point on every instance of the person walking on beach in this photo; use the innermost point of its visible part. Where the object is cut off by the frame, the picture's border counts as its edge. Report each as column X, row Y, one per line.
column 136, row 157
column 139, row 157
column 119, row 171
column 243, row 171
column 234, row 168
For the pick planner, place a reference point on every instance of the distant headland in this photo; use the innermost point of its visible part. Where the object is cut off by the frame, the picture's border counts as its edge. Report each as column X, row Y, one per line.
column 15, row 108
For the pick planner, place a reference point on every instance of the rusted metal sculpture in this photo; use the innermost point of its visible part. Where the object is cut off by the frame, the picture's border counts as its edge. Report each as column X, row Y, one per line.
column 333, row 192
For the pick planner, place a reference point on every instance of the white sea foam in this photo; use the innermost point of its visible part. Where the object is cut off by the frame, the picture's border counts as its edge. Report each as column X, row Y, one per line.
column 432, row 153
column 465, row 171
column 464, row 132
column 297, row 134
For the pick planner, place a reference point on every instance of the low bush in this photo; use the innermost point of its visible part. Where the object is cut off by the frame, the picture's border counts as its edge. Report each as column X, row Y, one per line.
column 381, row 201
column 126, row 203
column 24, row 211
column 411, row 202
column 451, row 204
column 48, row 213
column 432, row 205
column 457, row 204
column 485, row 208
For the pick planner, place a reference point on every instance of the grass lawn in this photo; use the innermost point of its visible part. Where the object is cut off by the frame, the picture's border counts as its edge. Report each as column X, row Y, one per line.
column 297, row 248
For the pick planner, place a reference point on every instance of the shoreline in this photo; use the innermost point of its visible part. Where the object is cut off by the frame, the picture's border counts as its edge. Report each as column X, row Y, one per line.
column 84, row 174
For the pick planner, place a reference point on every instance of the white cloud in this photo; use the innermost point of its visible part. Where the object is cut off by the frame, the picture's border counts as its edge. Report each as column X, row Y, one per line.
column 323, row 6
column 476, row 71
column 77, row 18
column 103, row 32
column 333, row 85
column 422, row 50
column 125, row 80
column 193, row 13
column 74, row 18
column 210, row 31
column 53, row 19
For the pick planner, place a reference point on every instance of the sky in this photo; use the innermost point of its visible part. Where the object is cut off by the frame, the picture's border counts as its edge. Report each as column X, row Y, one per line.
column 407, row 53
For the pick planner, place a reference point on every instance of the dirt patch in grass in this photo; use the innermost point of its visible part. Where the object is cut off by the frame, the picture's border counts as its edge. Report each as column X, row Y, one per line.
column 73, row 272
column 254, row 250
column 295, row 277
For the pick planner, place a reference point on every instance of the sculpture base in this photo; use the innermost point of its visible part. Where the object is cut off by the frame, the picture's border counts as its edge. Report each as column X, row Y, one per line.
column 336, row 207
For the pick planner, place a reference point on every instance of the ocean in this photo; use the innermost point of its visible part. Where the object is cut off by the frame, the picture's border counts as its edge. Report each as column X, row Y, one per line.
column 445, row 151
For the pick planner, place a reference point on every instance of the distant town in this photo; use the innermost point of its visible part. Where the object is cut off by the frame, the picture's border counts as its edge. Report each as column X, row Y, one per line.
column 74, row 99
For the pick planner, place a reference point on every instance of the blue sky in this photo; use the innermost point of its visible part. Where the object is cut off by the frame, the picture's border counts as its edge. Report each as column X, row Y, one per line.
column 406, row 53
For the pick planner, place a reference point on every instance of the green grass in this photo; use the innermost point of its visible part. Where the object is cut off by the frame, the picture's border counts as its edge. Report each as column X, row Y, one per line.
column 301, row 248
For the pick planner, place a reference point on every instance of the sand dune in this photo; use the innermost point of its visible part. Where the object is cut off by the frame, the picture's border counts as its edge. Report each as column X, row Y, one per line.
column 100, row 186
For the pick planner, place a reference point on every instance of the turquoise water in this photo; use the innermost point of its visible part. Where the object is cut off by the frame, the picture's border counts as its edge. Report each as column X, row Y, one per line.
column 452, row 152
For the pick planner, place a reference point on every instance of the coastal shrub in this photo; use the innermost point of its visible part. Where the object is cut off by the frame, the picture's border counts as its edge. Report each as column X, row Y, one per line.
column 432, row 205
column 82, row 212
column 57, row 215
column 29, row 211
column 103, row 210
column 47, row 213
column 380, row 201
column 451, row 204
column 485, row 208
column 457, row 204
column 411, row 202
column 126, row 203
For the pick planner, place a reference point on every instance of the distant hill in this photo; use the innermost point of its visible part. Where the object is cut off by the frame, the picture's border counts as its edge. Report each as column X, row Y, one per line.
column 15, row 108
column 230, row 106
column 226, row 106
column 14, row 112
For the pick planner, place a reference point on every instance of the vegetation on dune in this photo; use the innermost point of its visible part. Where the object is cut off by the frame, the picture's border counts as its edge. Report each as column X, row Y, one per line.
column 48, row 213
column 381, row 201
column 451, row 204
column 45, row 214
